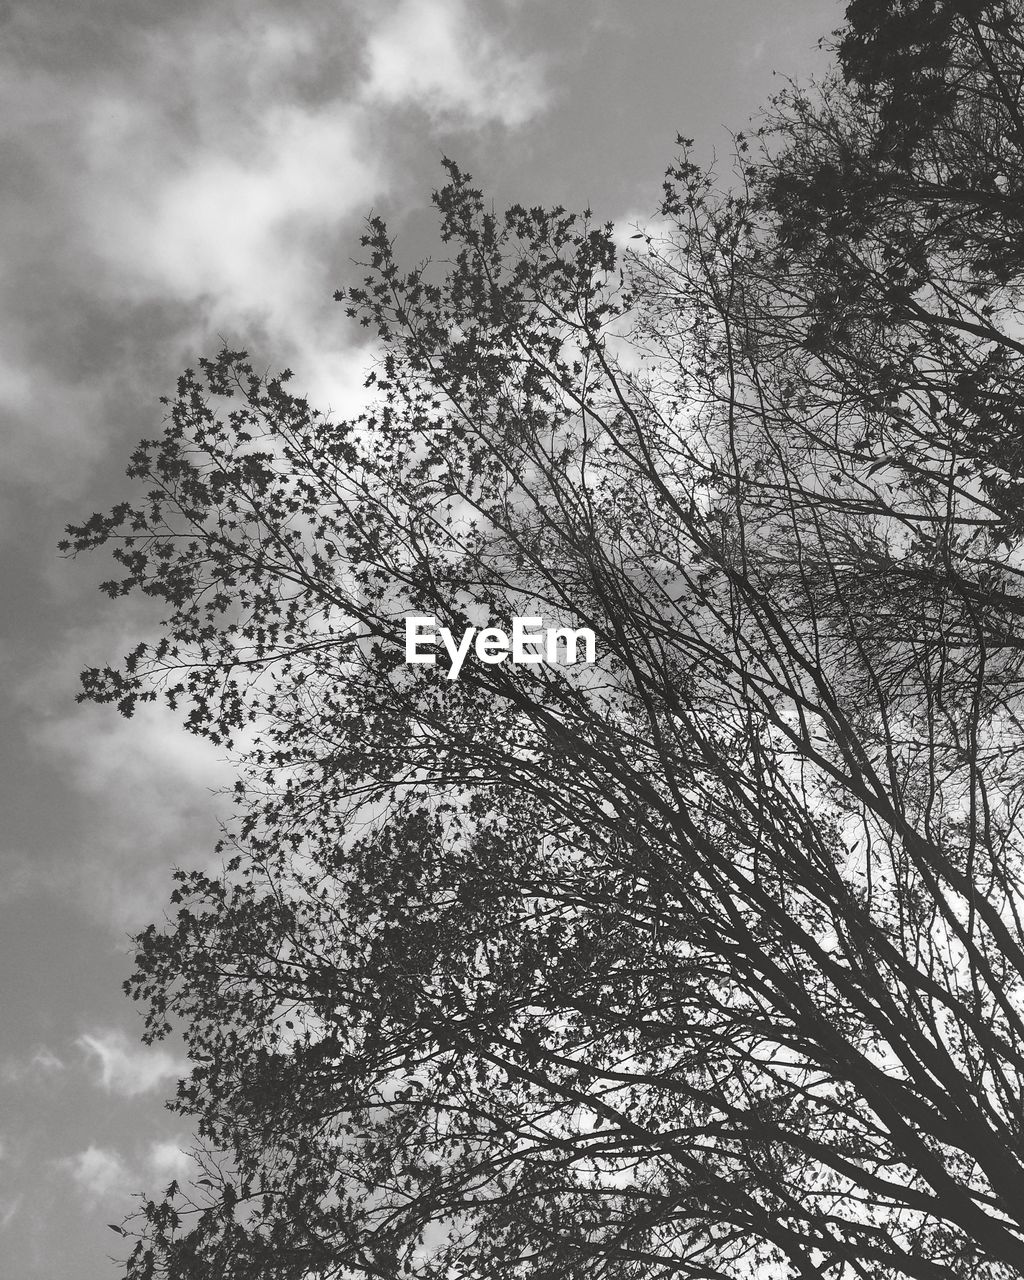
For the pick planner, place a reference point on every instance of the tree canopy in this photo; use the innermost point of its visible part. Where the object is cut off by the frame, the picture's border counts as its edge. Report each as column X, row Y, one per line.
column 706, row 959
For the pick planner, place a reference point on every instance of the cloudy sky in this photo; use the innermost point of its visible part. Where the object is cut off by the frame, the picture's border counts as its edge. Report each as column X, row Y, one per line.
column 174, row 175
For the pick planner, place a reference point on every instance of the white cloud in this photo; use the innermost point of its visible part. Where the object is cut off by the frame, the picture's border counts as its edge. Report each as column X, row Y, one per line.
column 231, row 211
column 100, row 1173
column 149, row 758
column 9, row 1206
column 129, row 1069
column 97, row 1172
column 166, row 1160
column 46, row 1060
column 232, row 222
column 201, row 175
column 146, row 789
column 434, row 54
column 41, row 1065
column 200, row 181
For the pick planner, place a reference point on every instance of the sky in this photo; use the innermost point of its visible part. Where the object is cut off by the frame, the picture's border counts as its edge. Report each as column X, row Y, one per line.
column 174, row 177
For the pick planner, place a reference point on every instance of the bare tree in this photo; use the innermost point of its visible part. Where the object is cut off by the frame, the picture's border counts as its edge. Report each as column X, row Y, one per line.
column 704, row 959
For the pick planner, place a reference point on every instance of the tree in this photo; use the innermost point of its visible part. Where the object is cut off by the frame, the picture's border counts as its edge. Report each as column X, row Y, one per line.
column 702, row 960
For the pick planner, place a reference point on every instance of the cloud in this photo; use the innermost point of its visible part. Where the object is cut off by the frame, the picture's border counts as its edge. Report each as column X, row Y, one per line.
column 41, row 1065
column 138, row 795
column 166, row 1160
column 185, row 181
column 104, row 1173
column 231, row 223
column 224, row 195
column 195, row 177
column 97, row 1172
column 433, row 54
column 149, row 758
column 9, row 1206
column 46, row 1060
column 128, row 1069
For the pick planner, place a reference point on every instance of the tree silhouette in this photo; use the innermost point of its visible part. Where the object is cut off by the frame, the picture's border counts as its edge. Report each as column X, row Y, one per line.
column 704, row 959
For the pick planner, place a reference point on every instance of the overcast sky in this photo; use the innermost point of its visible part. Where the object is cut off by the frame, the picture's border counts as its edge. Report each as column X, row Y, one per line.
column 174, row 174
